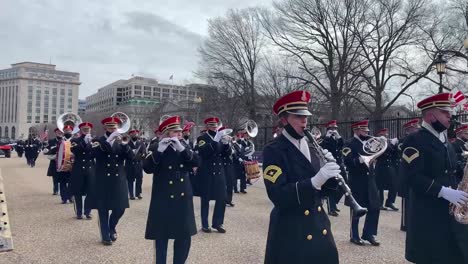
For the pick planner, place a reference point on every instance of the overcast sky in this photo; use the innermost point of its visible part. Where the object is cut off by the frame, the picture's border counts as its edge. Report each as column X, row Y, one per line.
column 107, row 40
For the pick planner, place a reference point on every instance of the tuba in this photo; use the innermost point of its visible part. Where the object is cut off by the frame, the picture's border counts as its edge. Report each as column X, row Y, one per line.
column 64, row 158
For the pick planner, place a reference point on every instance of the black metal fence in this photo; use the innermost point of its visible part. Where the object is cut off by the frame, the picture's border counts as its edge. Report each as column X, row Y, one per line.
column 394, row 125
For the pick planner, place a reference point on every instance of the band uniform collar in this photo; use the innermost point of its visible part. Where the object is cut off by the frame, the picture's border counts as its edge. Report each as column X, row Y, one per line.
column 441, row 136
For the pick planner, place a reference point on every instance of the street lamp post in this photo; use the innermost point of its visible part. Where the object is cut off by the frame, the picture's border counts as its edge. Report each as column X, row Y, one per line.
column 440, row 64
column 465, row 44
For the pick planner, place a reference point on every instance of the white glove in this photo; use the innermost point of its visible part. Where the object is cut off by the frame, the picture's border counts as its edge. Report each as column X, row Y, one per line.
column 394, row 141
column 328, row 155
column 88, row 138
column 337, row 135
column 218, row 136
column 163, row 144
column 177, row 145
column 46, row 151
column 241, row 160
column 329, row 133
column 361, row 160
column 455, row 197
column 112, row 136
column 329, row 170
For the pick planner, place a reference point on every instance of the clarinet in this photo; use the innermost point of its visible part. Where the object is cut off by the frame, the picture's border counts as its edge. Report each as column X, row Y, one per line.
column 358, row 211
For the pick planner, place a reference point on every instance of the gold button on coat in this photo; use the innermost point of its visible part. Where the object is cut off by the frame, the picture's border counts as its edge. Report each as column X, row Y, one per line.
column 324, row 232
column 170, row 182
column 182, row 194
column 309, row 237
column 170, row 167
column 306, row 212
column 182, row 180
column 319, row 209
column 172, row 196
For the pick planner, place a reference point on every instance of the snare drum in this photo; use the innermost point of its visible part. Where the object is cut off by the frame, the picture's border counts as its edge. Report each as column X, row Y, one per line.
column 64, row 156
column 252, row 169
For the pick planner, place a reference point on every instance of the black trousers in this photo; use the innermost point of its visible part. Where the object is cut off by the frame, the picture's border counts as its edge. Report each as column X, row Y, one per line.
column 134, row 186
column 56, row 183
column 64, row 182
column 218, row 213
column 229, row 175
column 181, row 250
column 392, row 194
column 370, row 225
column 107, row 224
column 79, row 206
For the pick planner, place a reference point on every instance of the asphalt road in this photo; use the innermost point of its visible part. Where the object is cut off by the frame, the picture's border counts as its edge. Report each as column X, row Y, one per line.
column 45, row 231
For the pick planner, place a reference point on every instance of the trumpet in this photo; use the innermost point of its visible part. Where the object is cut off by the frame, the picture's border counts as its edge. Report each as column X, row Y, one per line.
column 358, row 211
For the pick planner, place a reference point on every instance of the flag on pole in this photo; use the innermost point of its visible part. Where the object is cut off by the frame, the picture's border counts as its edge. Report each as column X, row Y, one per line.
column 458, row 97
column 171, row 77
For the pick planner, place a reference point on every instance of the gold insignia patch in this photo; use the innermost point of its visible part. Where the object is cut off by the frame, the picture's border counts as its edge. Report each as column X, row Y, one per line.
column 272, row 173
column 201, row 143
column 346, row 151
column 410, row 154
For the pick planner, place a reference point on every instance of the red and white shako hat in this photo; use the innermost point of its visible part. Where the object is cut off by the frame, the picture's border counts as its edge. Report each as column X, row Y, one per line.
column 382, row 131
column 462, row 129
column 85, row 124
column 364, row 125
column 172, row 124
column 67, row 128
column 294, row 103
column 443, row 101
column 332, row 124
column 412, row 123
column 212, row 121
column 111, row 121
column 134, row 131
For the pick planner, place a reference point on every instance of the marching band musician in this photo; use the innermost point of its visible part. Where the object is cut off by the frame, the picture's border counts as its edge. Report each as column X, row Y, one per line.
column 153, row 143
column 333, row 142
column 64, row 176
column 32, row 149
column 83, row 170
column 429, row 166
column 134, row 167
column 171, row 214
column 409, row 128
column 239, row 170
column 385, row 172
column 51, row 152
column 110, row 191
column 249, row 150
column 212, row 183
column 228, row 159
column 363, row 185
column 186, row 135
column 19, row 148
column 299, row 230
column 461, row 230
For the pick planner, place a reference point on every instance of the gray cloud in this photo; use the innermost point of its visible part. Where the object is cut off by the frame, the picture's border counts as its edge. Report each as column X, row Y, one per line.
column 108, row 40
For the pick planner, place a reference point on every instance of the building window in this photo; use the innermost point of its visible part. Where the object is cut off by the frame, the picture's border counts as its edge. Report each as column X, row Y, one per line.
column 165, row 90
column 13, row 133
column 54, row 111
column 147, row 93
column 54, row 119
column 6, row 131
column 46, row 118
column 147, row 88
column 70, row 92
column 138, row 92
column 62, row 91
column 29, row 119
column 54, row 91
column 29, row 107
column 137, row 87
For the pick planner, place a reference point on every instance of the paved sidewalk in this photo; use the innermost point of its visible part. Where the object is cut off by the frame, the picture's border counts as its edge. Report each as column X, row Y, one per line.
column 44, row 230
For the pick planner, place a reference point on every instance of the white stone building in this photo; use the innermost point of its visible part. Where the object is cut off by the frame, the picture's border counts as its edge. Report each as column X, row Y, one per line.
column 34, row 93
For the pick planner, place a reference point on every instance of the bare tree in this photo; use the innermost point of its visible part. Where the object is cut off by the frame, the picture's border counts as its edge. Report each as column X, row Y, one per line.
column 388, row 40
column 230, row 55
column 318, row 33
